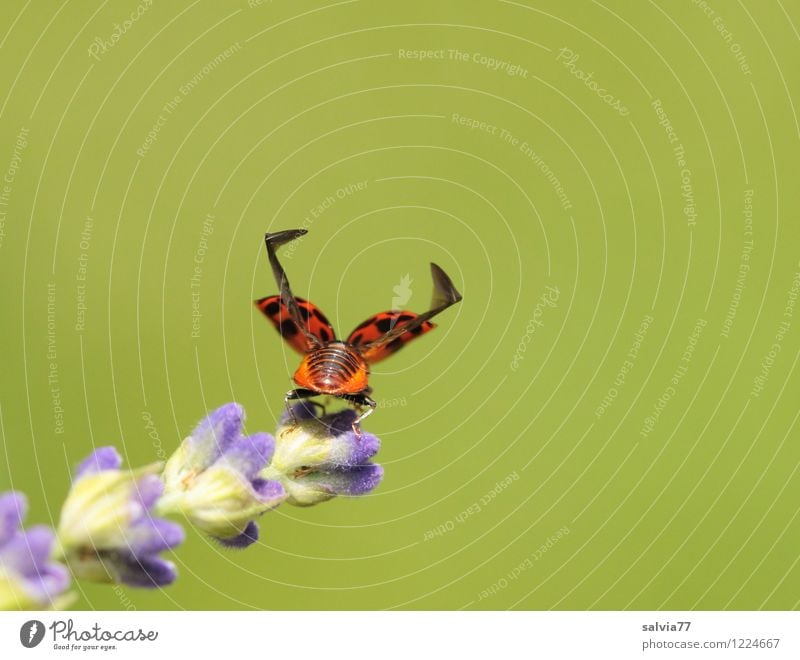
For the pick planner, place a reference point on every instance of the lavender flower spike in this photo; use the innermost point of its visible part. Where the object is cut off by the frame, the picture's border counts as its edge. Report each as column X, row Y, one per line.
column 317, row 458
column 213, row 479
column 28, row 579
column 107, row 531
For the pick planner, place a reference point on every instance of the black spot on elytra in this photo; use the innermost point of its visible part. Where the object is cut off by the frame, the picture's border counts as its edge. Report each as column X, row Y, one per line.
column 395, row 344
column 418, row 330
column 363, row 325
column 357, row 338
column 384, row 325
column 288, row 328
column 320, row 315
column 272, row 308
column 405, row 317
column 324, row 334
column 304, row 312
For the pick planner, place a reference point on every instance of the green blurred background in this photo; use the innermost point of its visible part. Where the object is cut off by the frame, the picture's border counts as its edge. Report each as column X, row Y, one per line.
column 626, row 438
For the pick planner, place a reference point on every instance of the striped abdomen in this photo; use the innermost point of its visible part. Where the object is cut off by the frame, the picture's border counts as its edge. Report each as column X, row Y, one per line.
column 335, row 368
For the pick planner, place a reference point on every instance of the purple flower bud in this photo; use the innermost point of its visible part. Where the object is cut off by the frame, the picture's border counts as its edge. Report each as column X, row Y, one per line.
column 28, row 579
column 107, row 528
column 246, row 538
column 103, row 458
column 317, row 458
column 213, row 478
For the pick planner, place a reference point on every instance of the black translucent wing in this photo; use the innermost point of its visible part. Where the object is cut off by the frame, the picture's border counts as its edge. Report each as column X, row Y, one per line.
column 287, row 299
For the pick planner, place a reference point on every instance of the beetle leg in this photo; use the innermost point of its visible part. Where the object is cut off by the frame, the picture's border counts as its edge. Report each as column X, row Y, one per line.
column 361, row 399
column 293, row 395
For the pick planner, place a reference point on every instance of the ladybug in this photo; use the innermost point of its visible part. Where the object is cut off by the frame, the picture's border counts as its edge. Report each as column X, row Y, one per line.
column 336, row 367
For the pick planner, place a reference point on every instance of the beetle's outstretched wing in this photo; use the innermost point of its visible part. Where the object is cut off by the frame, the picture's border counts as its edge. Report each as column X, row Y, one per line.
column 367, row 335
column 314, row 321
column 300, row 322
column 386, row 333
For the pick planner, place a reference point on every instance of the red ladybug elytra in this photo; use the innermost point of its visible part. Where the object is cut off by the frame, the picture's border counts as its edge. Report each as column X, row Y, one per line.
column 338, row 367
